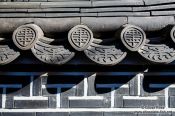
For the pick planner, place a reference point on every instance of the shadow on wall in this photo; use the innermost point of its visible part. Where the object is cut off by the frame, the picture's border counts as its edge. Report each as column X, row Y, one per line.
column 155, row 83
column 101, row 83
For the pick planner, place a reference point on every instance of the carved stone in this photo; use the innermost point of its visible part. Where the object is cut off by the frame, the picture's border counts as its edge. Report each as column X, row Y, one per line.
column 157, row 53
column 105, row 55
column 172, row 34
column 51, row 54
column 80, row 37
column 31, row 36
column 26, row 36
column 133, row 37
column 7, row 55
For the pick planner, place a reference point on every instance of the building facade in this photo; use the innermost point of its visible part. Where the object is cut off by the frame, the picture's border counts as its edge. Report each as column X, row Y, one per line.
column 87, row 57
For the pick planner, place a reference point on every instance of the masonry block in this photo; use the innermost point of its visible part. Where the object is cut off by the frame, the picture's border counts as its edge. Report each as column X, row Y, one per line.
column 52, row 114
column 119, row 114
column 17, row 114
column 86, row 103
column 86, row 114
column 30, row 104
column 144, row 103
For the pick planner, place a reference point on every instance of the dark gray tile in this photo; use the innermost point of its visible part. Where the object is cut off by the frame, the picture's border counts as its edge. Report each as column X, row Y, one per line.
column 86, row 114
column 52, row 114
column 18, row 114
column 119, row 114
column 31, row 104
column 86, row 103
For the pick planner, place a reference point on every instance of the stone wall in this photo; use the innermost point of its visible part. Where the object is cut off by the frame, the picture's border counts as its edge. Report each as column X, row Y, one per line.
column 142, row 93
column 87, row 57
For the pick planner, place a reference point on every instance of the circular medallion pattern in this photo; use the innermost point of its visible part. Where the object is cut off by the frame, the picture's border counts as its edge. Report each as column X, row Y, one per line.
column 80, row 37
column 172, row 34
column 133, row 37
column 26, row 36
